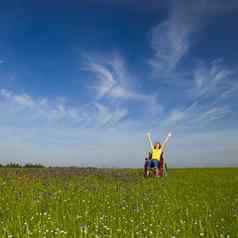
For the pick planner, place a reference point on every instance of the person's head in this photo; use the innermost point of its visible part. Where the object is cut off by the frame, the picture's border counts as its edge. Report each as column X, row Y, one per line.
column 157, row 145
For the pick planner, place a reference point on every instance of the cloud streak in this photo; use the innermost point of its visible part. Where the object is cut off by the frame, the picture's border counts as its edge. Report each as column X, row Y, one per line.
column 206, row 86
column 172, row 39
column 213, row 79
column 170, row 43
column 113, row 79
column 113, row 85
column 213, row 85
column 94, row 115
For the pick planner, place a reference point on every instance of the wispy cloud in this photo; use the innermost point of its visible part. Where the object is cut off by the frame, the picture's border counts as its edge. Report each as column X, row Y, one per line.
column 211, row 96
column 172, row 39
column 196, row 116
column 204, row 86
column 6, row 93
column 114, row 100
column 213, row 79
column 115, row 84
column 107, row 116
column 170, row 43
column 91, row 115
column 113, row 78
column 22, row 102
column 106, row 80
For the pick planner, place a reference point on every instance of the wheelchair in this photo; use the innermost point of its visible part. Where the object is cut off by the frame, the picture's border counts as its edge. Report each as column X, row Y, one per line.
column 151, row 170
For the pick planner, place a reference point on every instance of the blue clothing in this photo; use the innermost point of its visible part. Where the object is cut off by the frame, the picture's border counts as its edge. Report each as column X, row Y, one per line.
column 153, row 163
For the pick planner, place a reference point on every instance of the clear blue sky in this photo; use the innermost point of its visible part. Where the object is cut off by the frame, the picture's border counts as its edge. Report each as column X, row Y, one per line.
column 81, row 83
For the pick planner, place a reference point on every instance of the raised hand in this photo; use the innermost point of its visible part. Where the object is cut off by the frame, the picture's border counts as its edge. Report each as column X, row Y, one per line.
column 148, row 134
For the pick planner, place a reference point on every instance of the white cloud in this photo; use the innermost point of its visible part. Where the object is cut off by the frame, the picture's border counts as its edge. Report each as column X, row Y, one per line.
column 106, row 80
column 172, row 39
column 174, row 117
column 24, row 100
column 113, row 79
column 196, row 116
column 214, row 113
column 115, row 87
column 92, row 115
column 170, row 43
column 32, row 107
column 6, row 93
column 109, row 116
column 205, row 89
column 212, row 79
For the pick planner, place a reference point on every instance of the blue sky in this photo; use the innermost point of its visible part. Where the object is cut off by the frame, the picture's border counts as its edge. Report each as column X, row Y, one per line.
column 81, row 83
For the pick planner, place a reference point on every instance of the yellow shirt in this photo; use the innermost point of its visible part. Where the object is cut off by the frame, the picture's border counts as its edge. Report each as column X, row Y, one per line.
column 156, row 153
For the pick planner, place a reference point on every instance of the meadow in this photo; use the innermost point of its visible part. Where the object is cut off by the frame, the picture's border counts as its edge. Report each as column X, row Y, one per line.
column 74, row 203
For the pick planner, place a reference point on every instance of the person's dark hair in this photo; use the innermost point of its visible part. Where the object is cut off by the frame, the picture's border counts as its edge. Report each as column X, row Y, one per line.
column 157, row 143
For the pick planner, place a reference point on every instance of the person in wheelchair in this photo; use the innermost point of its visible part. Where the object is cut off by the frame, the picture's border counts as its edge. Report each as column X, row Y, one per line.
column 154, row 158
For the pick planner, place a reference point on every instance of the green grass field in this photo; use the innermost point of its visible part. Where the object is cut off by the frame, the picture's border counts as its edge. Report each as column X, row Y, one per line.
column 118, row 203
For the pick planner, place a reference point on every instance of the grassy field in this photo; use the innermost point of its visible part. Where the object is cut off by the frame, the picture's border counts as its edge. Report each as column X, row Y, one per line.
column 118, row 203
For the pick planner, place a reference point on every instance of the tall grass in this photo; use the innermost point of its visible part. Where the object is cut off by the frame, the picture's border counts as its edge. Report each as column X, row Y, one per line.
column 118, row 203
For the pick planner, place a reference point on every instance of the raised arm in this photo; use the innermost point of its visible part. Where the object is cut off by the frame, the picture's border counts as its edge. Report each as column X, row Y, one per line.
column 166, row 141
column 148, row 136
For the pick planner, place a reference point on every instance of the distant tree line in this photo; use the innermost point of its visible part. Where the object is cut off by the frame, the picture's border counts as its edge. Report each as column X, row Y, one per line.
column 17, row 165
